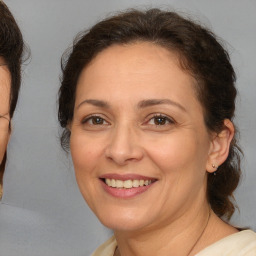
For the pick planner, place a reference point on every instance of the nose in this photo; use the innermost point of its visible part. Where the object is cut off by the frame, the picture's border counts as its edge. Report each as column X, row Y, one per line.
column 124, row 146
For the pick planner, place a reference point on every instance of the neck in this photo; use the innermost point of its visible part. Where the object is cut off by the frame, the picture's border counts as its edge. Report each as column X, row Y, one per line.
column 180, row 237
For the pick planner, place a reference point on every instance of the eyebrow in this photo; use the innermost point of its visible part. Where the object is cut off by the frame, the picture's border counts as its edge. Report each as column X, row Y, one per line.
column 96, row 103
column 141, row 104
column 153, row 102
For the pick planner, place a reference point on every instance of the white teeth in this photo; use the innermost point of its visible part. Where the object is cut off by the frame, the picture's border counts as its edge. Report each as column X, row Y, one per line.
column 113, row 183
column 119, row 184
column 136, row 183
column 127, row 183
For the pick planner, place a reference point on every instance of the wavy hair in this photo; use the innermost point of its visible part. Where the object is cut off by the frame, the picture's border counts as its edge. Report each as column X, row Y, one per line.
column 200, row 53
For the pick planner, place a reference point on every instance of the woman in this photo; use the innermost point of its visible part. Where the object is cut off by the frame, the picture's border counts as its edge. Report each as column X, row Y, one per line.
column 146, row 102
column 11, row 49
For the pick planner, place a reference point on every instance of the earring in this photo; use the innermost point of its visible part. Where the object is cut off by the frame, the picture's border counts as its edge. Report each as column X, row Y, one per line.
column 215, row 167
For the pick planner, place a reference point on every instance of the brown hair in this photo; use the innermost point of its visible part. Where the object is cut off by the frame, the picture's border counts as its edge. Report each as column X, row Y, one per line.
column 200, row 54
column 11, row 50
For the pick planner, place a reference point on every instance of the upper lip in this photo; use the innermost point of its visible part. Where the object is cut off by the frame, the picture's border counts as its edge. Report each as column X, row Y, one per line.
column 124, row 177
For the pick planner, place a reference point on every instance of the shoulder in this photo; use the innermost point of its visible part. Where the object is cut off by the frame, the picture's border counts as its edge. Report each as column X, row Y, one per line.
column 106, row 249
column 242, row 243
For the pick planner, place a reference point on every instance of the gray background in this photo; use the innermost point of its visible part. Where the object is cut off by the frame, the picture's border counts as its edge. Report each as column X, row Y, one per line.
column 42, row 211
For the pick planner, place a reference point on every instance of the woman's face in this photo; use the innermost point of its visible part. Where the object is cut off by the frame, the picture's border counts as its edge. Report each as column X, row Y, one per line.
column 5, row 85
column 138, row 139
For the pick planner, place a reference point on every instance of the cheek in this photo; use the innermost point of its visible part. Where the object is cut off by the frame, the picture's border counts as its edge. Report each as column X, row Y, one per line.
column 85, row 156
column 179, row 152
column 85, row 153
column 180, row 160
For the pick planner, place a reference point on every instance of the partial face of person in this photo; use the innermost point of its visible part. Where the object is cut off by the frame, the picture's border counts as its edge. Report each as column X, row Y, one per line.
column 138, row 141
column 5, row 85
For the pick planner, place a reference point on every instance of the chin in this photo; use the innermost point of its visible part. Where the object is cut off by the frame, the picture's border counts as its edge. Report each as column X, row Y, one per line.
column 124, row 219
column 122, row 224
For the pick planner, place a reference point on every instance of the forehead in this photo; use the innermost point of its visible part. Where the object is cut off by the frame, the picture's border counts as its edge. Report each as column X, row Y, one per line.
column 138, row 66
column 139, row 56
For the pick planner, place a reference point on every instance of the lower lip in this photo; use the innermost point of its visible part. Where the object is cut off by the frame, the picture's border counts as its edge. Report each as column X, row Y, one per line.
column 125, row 193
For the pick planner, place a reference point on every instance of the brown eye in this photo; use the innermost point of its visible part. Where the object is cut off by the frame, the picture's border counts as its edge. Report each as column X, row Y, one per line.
column 94, row 120
column 97, row 120
column 160, row 120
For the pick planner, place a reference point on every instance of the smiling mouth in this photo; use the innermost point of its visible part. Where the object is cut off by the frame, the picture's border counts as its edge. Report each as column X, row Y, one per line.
column 127, row 184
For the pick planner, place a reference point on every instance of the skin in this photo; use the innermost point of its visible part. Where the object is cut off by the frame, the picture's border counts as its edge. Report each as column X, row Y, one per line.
column 5, row 85
column 173, row 213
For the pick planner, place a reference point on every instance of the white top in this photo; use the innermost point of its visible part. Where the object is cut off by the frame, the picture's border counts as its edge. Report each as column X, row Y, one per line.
column 242, row 243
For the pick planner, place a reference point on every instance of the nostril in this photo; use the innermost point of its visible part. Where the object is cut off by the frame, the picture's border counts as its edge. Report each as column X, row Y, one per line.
column 124, row 155
column 124, row 146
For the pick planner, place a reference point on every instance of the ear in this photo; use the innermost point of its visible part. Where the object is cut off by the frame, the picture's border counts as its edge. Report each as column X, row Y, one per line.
column 220, row 145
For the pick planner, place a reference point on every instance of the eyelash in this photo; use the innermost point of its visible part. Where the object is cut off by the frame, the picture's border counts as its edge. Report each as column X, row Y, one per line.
column 166, row 120
column 163, row 117
column 93, row 117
